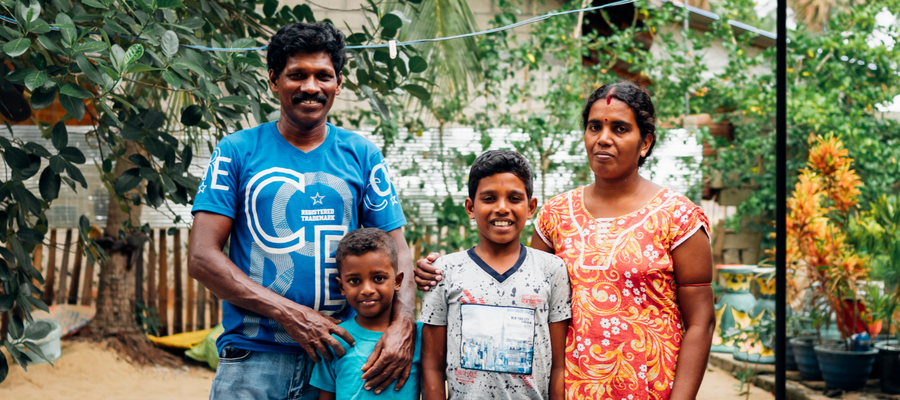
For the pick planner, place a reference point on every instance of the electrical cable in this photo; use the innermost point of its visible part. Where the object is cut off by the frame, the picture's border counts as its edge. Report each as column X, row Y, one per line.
column 387, row 45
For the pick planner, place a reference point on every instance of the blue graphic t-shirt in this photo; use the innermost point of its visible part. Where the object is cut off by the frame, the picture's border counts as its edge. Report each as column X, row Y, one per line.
column 290, row 209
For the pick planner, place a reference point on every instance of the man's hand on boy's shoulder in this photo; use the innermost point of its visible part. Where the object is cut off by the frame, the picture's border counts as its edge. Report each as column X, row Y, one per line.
column 426, row 275
column 392, row 358
column 312, row 330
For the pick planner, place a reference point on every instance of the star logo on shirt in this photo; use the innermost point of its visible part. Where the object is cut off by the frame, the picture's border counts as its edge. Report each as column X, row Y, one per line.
column 394, row 200
column 202, row 186
column 317, row 199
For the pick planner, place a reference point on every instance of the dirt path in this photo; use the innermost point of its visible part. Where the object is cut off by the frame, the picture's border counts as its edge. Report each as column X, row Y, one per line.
column 88, row 371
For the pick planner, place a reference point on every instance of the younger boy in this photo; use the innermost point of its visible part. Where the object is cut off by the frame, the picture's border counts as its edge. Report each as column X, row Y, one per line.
column 495, row 326
column 366, row 260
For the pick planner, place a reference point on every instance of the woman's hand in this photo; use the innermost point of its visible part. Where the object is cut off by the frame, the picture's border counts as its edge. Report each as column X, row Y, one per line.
column 426, row 275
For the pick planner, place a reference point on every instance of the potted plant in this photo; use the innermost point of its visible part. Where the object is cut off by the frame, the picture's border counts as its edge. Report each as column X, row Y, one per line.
column 820, row 205
column 877, row 232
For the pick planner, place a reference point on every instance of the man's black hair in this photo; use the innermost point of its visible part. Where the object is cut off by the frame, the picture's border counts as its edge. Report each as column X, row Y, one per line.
column 366, row 240
column 497, row 162
column 637, row 99
column 302, row 37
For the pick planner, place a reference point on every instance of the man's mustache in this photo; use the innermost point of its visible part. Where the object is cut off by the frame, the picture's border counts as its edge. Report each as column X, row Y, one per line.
column 297, row 99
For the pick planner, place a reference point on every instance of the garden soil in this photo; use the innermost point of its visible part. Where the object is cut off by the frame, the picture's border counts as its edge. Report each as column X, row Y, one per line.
column 88, row 370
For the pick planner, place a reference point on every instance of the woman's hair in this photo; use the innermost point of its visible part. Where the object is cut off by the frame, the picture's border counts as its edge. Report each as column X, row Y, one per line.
column 639, row 102
column 307, row 38
column 497, row 162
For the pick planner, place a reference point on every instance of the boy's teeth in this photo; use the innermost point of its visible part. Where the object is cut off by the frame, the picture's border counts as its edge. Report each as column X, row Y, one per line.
column 502, row 223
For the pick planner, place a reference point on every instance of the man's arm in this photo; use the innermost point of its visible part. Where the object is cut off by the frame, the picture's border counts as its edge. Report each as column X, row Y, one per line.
column 392, row 357
column 325, row 395
column 434, row 362
column 558, row 332
column 209, row 265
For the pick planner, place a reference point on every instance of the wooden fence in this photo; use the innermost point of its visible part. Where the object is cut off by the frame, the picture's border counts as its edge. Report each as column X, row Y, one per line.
column 165, row 284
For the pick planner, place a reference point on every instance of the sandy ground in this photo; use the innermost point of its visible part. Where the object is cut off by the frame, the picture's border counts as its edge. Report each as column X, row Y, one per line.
column 88, row 371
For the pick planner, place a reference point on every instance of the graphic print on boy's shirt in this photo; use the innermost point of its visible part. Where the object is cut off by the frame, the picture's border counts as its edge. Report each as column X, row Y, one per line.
column 290, row 209
column 470, row 284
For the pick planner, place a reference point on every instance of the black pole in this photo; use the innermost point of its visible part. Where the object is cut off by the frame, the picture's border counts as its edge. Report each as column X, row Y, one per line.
column 781, row 204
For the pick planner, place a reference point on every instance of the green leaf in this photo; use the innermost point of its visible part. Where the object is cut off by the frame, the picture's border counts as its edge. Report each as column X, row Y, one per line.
column 50, row 45
column 74, row 90
column 4, row 369
column 58, row 164
column 37, row 150
column 41, row 98
column 169, row 44
column 269, row 8
column 187, row 64
column 378, row 105
column 155, row 194
column 391, row 22
column 60, row 136
column 187, row 154
column 417, row 91
column 172, row 79
column 30, row 235
column 90, row 46
column 95, row 4
column 129, row 179
column 38, row 330
column 17, row 158
column 169, row 4
column 90, row 70
column 37, row 350
column 73, row 105
column 6, row 304
column 140, row 161
column 138, row 67
column 17, row 47
column 234, row 101
column 417, row 65
column 357, row 39
column 66, row 28
column 49, row 185
column 73, row 154
column 133, row 54
column 191, row 115
column 35, row 79
column 76, row 174
column 28, row 200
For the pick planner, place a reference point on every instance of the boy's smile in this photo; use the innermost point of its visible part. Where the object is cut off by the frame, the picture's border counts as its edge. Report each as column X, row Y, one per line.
column 369, row 282
column 500, row 208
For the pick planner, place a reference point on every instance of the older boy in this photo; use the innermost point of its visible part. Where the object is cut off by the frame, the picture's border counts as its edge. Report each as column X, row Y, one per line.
column 495, row 326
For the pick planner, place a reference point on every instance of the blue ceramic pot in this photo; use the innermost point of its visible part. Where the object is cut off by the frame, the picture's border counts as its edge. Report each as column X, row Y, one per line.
column 843, row 369
column 889, row 360
column 805, row 356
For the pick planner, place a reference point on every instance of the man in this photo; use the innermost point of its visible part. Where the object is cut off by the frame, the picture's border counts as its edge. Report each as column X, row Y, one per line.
column 287, row 192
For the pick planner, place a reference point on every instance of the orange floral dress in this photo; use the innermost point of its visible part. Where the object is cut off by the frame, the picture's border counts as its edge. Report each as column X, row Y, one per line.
column 626, row 327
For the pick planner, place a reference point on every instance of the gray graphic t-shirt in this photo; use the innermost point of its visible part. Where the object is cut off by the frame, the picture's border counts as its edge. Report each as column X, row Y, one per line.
column 498, row 332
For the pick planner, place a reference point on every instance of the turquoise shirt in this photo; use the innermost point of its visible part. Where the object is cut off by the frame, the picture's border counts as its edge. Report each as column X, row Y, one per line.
column 346, row 372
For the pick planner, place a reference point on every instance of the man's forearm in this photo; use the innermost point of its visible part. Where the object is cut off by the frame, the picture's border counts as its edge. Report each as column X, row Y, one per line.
column 223, row 278
column 404, row 301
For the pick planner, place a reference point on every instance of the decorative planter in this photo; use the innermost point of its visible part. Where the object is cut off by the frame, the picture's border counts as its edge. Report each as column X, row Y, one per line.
column 760, row 351
column 733, row 309
column 790, row 363
column 842, row 369
column 805, row 356
column 889, row 363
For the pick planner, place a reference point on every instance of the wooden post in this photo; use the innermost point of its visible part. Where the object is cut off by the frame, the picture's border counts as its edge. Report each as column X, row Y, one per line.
column 36, row 262
column 76, row 272
column 50, row 276
column 213, row 309
column 64, row 269
column 87, row 290
column 191, row 299
column 151, row 273
column 163, row 308
column 178, row 320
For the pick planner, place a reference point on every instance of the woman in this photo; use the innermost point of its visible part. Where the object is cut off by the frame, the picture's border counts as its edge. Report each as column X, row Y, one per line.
column 640, row 272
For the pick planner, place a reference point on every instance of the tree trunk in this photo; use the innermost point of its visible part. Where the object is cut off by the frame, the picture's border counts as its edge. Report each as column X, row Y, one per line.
column 115, row 292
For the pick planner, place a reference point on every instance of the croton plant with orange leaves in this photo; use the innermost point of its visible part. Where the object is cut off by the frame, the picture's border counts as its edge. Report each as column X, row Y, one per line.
column 819, row 209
